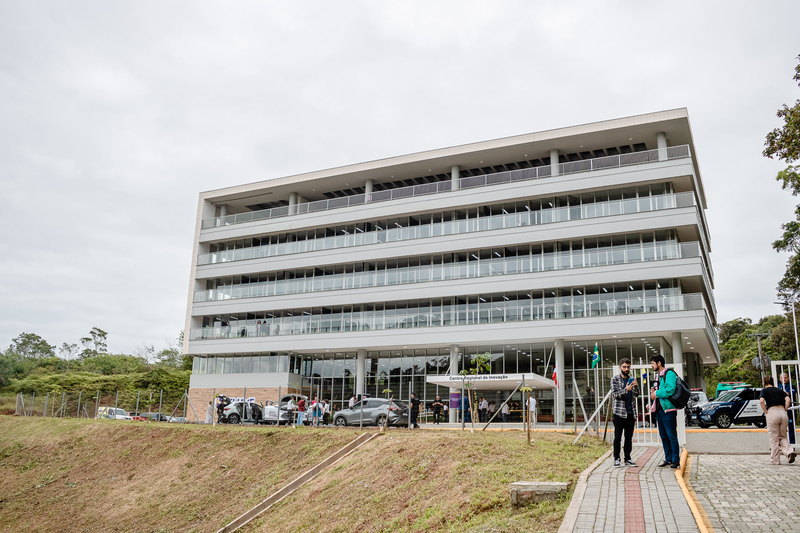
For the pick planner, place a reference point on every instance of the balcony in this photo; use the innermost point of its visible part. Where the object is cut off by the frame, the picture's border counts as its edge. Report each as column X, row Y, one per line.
column 635, row 253
column 486, row 180
column 512, row 220
column 457, row 315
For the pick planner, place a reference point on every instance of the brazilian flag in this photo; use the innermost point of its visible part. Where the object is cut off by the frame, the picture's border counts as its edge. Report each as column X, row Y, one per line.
column 596, row 356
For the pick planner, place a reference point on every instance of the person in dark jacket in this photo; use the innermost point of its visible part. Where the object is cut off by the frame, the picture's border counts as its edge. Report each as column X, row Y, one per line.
column 624, row 391
column 414, row 410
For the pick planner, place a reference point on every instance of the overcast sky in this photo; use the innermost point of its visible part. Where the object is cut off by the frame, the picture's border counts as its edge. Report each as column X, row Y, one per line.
column 115, row 115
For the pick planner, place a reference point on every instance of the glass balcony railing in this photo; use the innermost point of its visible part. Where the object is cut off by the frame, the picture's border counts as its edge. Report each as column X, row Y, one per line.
column 617, row 255
column 572, row 167
column 456, row 315
column 512, row 220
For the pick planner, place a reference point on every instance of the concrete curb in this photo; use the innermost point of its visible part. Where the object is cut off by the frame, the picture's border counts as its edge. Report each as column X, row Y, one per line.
column 304, row 478
column 697, row 510
column 571, row 516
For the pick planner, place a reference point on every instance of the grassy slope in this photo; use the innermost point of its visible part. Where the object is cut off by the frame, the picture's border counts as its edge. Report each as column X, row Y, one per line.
column 86, row 475
column 436, row 481
column 82, row 475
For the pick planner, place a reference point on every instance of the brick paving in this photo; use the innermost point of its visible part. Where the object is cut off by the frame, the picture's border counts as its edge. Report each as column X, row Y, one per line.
column 738, row 489
column 615, row 495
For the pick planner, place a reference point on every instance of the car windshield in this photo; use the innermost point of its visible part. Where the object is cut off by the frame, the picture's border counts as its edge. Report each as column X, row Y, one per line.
column 122, row 412
column 728, row 395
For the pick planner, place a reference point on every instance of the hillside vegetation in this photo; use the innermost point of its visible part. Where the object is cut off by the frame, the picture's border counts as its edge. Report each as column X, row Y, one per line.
column 85, row 475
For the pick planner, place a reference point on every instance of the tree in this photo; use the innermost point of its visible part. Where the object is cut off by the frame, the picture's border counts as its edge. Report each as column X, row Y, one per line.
column 784, row 144
column 95, row 344
column 30, row 346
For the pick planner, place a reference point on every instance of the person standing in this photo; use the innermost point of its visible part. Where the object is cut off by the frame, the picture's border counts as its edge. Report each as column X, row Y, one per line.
column 326, row 411
column 504, row 412
column 786, row 387
column 316, row 412
column 483, row 406
column 437, row 407
column 352, row 402
column 774, row 403
column 492, row 411
column 210, row 413
column 290, row 408
column 414, row 410
column 301, row 411
column 624, row 391
column 532, row 409
column 666, row 413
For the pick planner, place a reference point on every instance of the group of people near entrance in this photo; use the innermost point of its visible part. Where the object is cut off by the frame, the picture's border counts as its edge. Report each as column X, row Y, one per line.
column 318, row 412
column 775, row 402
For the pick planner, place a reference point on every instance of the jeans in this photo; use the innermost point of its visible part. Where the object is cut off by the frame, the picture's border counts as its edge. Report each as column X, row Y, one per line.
column 300, row 415
column 668, row 431
column 436, row 415
column 623, row 425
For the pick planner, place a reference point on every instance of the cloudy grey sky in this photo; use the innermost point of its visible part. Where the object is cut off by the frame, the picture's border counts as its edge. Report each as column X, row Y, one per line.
column 115, row 115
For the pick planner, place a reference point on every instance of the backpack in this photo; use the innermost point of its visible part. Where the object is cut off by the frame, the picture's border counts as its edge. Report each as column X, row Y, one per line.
column 680, row 398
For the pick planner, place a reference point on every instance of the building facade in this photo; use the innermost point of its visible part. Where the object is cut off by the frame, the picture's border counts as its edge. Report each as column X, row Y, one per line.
column 391, row 275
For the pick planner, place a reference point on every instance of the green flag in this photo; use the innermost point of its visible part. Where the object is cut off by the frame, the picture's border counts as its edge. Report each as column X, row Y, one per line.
column 596, row 356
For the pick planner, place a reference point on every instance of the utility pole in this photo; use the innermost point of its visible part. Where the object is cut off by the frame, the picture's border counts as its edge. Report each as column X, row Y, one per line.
column 761, row 359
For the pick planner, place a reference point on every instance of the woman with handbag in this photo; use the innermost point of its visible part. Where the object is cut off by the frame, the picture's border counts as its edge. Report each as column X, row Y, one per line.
column 774, row 403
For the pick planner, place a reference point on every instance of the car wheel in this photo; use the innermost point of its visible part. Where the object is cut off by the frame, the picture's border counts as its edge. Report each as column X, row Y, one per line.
column 234, row 419
column 340, row 421
column 381, row 420
column 723, row 420
column 760, row 424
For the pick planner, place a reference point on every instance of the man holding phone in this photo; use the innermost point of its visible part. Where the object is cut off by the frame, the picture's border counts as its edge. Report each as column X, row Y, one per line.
column 624, row 391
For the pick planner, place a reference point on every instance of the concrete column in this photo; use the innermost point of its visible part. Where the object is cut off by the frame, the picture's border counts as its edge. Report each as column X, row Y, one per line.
column 223, row 212
column 292, row 203
column 562, row 401
column 455, row 175
column 661, row 141
column 368, row 191
column 677, row 348
column 662, row 349
column 454, row 364
column 554, row 163
column 361, row 370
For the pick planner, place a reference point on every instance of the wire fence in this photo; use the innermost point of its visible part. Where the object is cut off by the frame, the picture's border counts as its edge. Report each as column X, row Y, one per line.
column 145, row 404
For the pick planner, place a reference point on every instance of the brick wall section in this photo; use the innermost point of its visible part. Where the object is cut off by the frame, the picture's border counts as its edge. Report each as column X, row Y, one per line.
column 200, row 398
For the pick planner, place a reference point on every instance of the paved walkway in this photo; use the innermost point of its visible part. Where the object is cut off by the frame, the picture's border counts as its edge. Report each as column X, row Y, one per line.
column 728, row 475
column 645, row 499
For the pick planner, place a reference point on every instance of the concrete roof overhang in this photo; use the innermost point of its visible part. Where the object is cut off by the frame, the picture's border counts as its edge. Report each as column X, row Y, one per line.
column 593, row 136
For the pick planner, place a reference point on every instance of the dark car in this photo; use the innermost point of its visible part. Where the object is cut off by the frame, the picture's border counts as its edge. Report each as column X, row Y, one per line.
column 154, row 417
column 697, row 400
column 373, row 412
column 736, row 406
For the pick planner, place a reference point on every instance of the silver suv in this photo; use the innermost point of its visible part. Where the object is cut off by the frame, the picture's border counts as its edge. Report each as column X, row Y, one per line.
column 374, row 413
column 113, row 413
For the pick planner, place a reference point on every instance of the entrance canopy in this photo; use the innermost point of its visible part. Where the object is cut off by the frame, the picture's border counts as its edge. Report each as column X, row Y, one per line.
column 494, row 381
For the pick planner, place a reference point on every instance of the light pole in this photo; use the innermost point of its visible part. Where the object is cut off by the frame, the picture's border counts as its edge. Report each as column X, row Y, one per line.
column 794, row 318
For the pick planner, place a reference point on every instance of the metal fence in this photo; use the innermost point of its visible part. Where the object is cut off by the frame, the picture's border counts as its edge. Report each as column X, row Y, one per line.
column 158, row 404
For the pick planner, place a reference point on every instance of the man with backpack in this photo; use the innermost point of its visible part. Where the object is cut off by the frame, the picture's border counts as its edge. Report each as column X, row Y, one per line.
column 666, row 382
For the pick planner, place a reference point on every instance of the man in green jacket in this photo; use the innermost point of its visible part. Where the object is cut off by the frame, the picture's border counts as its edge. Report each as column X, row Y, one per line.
column 666, row 413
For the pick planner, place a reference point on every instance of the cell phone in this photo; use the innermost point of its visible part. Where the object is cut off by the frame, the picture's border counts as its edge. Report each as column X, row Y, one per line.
column 630, row 380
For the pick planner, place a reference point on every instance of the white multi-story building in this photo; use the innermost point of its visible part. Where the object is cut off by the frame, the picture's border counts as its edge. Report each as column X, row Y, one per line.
column 392, row 274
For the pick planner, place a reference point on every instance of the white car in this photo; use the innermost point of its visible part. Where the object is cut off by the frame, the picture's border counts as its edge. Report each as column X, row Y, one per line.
column 113, row 413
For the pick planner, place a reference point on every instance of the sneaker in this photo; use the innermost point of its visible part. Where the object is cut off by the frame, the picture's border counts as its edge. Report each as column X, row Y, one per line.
column 616, row 462
column 628, row 462
column 792, row 457
column 665, row 463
